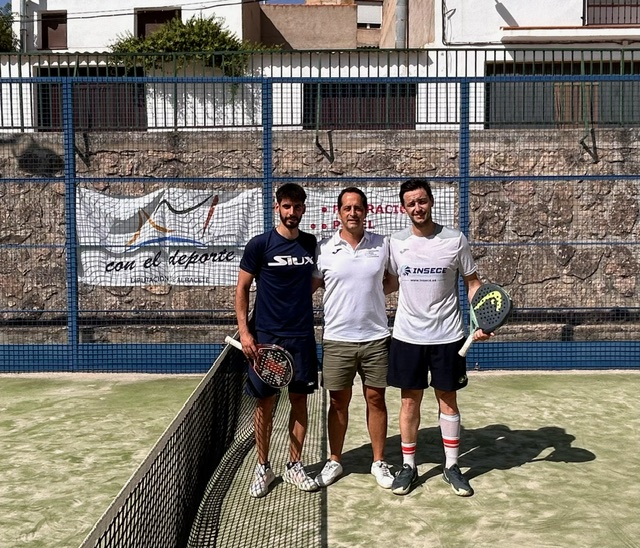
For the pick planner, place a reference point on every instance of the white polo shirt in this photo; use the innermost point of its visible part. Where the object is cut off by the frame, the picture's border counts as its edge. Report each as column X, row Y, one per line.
column 428, row 270
column 354, row 302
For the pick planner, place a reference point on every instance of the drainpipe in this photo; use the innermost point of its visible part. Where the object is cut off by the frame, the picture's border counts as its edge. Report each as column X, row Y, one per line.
column 401, row 24
column 23, row 25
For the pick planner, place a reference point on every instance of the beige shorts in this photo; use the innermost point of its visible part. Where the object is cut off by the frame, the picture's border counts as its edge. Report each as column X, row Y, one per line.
column 341, row 361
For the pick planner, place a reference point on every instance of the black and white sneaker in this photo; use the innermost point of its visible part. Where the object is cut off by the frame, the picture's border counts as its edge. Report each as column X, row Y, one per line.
column 405, row 479
column 295, row 474
column 459, row 484
column 264, row 477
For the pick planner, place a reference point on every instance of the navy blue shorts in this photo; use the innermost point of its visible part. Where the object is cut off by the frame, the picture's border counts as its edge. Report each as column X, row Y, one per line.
column 303, row 350
column 418, row 366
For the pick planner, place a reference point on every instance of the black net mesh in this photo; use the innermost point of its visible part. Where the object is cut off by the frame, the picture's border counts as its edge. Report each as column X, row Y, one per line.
column 193, row 488
column 157, row 507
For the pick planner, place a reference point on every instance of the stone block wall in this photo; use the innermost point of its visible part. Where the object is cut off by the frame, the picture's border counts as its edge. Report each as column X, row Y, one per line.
column 569, row 240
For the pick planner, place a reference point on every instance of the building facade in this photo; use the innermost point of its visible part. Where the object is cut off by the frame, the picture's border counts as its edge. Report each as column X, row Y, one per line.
column 92, row 25
column 337, row 38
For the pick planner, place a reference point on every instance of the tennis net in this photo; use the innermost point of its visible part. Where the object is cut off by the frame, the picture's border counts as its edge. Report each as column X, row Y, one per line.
column 192, row 489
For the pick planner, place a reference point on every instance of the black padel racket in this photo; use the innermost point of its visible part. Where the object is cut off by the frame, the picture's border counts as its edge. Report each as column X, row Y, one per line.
column 490, row 308
column 274, row 365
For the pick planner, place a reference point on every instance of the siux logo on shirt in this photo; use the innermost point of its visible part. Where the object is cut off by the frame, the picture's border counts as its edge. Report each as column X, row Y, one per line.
column 288, row 260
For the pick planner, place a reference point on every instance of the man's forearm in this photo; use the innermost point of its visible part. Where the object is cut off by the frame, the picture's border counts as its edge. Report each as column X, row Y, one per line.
column 242, row 311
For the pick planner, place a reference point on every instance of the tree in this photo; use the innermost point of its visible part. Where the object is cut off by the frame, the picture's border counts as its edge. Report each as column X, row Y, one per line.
column 8, row 39
column 199, row 37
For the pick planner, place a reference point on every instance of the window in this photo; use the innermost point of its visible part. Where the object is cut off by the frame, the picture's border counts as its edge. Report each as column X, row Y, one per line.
column 53, row 30
column 359, row 106
column 149, row 21
column 612, row 12
column 516, row 104
column 369, row 15
column 97, row 106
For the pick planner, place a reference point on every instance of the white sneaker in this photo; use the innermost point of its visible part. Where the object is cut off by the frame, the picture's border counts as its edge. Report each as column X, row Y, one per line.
column 331, row 472
column 297, row 475
column 264, row 478
column 384, row 477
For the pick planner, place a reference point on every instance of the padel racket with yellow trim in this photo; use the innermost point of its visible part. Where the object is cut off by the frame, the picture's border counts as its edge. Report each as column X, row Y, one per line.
column 490, row 308
column 274, row 365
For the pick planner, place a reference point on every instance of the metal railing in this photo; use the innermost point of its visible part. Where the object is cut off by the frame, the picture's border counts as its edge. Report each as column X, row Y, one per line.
column 211, row 100
column 611, row 12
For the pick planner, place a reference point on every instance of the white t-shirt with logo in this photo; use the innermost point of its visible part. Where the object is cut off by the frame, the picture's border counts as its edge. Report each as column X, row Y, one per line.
column 354, row 302
column 428, row 270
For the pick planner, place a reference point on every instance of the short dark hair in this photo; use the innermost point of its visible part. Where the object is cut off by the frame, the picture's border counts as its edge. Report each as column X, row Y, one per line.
column 354, row 190
column 292, row 191
column 414, row 184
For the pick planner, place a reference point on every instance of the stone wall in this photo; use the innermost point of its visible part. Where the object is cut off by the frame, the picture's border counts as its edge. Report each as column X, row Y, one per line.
column 585, row 229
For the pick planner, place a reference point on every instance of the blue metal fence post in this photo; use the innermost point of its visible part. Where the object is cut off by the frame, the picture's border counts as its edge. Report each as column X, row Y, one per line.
column 267, row 153
column 464, row 158
column 70, row 220
column 463, row 185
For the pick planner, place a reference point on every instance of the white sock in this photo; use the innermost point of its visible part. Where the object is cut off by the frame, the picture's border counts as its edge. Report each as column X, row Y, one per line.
column 450, row 430
column 409, row 454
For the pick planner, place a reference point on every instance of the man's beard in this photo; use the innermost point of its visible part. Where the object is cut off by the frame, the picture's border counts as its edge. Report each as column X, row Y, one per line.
column 290, row 221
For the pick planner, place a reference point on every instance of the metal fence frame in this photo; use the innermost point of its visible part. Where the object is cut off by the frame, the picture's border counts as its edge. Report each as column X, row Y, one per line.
column 79, row 356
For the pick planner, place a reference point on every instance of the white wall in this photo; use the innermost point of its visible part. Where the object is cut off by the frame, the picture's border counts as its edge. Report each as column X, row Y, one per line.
column 475, row 22
column 93, row 25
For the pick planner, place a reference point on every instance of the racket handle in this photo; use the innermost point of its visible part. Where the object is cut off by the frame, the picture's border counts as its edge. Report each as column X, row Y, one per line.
column 233, row 342
column 465, row 347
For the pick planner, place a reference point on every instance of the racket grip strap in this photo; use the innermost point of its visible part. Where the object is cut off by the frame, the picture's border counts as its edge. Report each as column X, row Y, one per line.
column 233, row 342
column 465, row 347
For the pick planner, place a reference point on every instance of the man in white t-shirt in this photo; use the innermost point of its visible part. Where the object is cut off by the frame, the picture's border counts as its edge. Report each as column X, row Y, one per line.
column 426, row 260
column 351, row 267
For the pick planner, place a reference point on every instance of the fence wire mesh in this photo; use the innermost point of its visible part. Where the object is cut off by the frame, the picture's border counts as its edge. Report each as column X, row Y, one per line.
column 129, row 188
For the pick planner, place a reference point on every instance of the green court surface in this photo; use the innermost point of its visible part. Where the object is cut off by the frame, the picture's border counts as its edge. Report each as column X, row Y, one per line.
column 554, row 460
column 68, row 443
column 553, row 457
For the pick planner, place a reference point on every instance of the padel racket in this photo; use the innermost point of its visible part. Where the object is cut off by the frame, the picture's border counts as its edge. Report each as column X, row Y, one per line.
column 490, row 308
column 274, row 365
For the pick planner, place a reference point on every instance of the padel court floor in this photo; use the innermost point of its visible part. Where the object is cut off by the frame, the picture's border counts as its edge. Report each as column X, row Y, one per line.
column 543, row 451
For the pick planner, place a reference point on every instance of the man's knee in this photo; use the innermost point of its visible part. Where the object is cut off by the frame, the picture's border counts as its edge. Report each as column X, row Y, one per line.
column 340, row 399
column 298, row 400
column 447, row 401
column 375, row 398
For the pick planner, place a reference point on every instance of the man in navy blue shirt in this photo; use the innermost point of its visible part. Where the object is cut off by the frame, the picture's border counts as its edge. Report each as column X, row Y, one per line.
column 281, row 261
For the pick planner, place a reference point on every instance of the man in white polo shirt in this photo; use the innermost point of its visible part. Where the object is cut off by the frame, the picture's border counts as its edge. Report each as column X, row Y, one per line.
column 351, row 267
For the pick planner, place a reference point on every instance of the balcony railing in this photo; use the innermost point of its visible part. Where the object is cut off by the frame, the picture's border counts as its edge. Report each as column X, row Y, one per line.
column 612, row 12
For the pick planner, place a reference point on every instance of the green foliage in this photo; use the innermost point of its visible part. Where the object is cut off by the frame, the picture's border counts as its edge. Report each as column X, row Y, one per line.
column 198, row 37
column 8, row 40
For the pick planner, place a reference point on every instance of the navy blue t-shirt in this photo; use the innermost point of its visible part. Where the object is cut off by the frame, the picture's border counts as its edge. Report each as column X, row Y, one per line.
column 283, row 270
